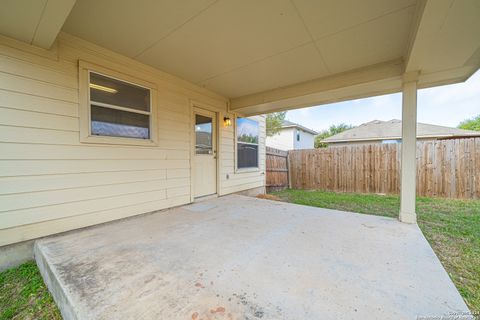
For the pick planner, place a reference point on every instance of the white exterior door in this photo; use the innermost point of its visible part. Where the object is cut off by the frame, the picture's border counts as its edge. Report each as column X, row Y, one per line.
column 204, row 153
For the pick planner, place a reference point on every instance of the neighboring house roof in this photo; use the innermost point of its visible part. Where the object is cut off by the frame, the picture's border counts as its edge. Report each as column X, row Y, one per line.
column 290, row 124
column 392, row 130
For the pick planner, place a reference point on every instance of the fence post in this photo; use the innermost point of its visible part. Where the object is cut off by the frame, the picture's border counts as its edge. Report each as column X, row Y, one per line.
column 289, row 177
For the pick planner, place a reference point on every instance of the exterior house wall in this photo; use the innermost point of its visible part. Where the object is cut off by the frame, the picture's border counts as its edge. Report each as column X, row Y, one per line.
column 50, row 182
column 283, row 140
column 306, row 140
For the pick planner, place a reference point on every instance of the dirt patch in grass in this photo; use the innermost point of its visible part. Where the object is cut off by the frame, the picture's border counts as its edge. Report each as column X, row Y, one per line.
column 452, row 227
column 23, row 295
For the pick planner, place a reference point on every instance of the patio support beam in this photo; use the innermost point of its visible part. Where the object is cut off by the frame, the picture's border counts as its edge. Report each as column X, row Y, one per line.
column 33, row 21
column 381, row 78
column 409, row 147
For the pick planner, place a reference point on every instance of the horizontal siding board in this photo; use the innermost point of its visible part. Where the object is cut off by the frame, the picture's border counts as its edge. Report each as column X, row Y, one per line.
column 48, row 198
column 35, row 87
column 36, row 230
column 178, row 191
column 67, row 78
column 228, row 168
column 36, row 135
column 177, row 154
column 241, row 187
column 178, row 173
column 20, row 118
column 10, row 168
column 173, row 116
column 179, row 182
column 88, row 152
column 28, row 184
column 35, row 215
column 174, row 135
column 173, row 126
column 246, row 174
column 227, row 156
column 243, row 180
column 227, row 141
column 27, row 102
column 170, row 144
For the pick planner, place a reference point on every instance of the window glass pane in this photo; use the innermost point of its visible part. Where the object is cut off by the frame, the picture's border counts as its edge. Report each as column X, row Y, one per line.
column 116, row 123
column 203, row 134
column 247, row 130
column 247, row 143
column 107, row 90
column 247, row 155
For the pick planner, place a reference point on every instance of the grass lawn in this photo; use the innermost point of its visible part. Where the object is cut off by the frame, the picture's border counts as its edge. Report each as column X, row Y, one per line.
column 452, row 227
column 23, row 295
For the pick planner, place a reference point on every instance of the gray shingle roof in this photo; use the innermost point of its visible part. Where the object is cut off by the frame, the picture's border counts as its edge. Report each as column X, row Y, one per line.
column 290, row 124
column 392, row 129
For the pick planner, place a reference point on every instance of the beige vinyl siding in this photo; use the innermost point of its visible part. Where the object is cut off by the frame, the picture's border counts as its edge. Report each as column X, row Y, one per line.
column 50, row 182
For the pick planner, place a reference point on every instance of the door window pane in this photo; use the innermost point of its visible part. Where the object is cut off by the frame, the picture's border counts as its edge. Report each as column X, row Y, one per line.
column 203, row 135
column 117, row 123
column 119, row 93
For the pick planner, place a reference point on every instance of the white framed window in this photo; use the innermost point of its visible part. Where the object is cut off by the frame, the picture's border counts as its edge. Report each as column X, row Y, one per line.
column 247, row 143
column 116, row 108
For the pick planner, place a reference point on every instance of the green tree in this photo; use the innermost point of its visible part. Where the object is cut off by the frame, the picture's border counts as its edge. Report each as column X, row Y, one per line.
column 274, row 122
column 470, row 124
column 333, row 130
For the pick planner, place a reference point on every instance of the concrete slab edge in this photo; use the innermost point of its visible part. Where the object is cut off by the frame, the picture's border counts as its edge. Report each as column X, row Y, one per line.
column 60, row 295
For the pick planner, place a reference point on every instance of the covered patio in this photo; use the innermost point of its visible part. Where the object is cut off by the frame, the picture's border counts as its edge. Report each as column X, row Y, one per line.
column 237, row 257
column 230, row 257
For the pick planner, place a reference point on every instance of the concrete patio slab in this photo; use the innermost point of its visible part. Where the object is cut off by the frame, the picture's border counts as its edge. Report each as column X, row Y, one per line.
column 237, row 257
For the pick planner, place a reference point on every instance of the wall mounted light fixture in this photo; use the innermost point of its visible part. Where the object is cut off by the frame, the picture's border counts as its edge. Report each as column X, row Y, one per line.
column 227, row 122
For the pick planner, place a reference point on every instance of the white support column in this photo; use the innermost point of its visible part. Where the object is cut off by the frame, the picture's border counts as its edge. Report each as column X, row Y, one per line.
column 409, row 147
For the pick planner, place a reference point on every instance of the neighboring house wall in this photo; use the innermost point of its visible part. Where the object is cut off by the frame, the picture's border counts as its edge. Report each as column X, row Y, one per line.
column 283, row 140
column 286, row 139
column 50, row 182
column 306, row 140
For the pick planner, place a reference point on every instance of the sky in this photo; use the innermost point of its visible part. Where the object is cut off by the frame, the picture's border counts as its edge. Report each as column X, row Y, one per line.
column 247, row 127
column 444, row 105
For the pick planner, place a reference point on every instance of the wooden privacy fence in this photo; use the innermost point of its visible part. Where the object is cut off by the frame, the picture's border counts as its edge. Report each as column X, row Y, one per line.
column 445, row 168
column 277, row 169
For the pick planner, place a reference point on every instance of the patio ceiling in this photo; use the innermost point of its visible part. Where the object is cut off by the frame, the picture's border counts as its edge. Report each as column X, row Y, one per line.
column 280, row 54
column 237, row 48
